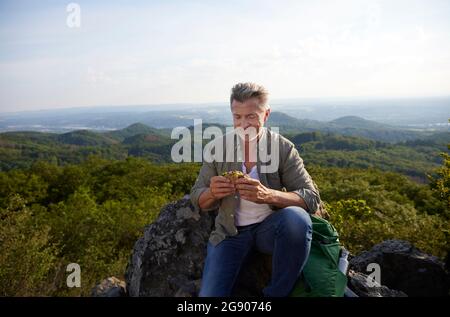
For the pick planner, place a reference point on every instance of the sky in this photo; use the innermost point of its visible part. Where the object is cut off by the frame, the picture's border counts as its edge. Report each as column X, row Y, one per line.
column 157, row 52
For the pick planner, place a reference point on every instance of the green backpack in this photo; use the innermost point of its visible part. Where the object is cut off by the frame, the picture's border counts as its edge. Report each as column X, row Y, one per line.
column 321, row 276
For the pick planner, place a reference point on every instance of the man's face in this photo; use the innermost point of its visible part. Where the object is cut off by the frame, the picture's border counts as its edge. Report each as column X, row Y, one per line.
column 249, row 114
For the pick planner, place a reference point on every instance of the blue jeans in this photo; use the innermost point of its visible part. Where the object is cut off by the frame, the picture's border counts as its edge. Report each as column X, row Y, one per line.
column 286, row 234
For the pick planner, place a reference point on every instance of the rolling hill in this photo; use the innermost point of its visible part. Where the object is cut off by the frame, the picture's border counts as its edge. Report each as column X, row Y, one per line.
column 324, row 148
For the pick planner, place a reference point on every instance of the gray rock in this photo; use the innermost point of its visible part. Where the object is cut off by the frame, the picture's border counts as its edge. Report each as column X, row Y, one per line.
column 169, row 258
column 109, row 287
column 405, row 268
column 360, row 285
column 189, row 289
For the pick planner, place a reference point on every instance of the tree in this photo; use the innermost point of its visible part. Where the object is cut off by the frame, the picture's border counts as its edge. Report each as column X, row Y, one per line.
column 440, row 183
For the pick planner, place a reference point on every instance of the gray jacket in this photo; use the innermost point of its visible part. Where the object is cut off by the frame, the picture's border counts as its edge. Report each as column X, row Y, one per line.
column 291, row 176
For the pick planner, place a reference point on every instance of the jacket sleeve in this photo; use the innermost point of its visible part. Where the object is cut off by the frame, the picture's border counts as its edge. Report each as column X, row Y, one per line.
column 296, row 179
column 202, row 183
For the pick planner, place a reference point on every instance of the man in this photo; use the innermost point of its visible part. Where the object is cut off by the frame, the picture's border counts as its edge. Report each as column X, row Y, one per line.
column 264, row 210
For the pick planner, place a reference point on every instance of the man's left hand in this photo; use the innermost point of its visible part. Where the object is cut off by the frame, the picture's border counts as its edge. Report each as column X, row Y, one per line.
column 252, row 190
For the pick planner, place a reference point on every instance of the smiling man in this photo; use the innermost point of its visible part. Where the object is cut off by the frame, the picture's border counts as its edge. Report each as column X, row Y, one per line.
column 263, row 210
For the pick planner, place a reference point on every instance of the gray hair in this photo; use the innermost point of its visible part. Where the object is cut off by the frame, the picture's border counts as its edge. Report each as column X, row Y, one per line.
column 243, row 91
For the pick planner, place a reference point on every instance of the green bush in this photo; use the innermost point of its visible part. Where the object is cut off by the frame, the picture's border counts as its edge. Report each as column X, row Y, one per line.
column 28, row 256
column 361, row 226
column 90, row 214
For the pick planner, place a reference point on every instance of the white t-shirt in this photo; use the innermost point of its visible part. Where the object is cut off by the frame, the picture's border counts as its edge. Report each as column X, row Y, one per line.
column 248, row 212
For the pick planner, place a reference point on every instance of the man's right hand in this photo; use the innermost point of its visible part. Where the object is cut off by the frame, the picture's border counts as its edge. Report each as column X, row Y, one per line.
column 221, row 187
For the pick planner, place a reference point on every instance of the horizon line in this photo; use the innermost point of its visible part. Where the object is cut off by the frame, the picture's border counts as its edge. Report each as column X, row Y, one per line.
column 217, row 103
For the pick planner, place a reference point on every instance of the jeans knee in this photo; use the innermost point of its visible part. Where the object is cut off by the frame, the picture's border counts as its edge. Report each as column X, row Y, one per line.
column 297, row 222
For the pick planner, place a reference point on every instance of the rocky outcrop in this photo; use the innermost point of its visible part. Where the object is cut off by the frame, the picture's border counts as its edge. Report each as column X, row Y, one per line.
column 361, row 287
column 168, row 261
column 403, row 267
column 110, row 287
